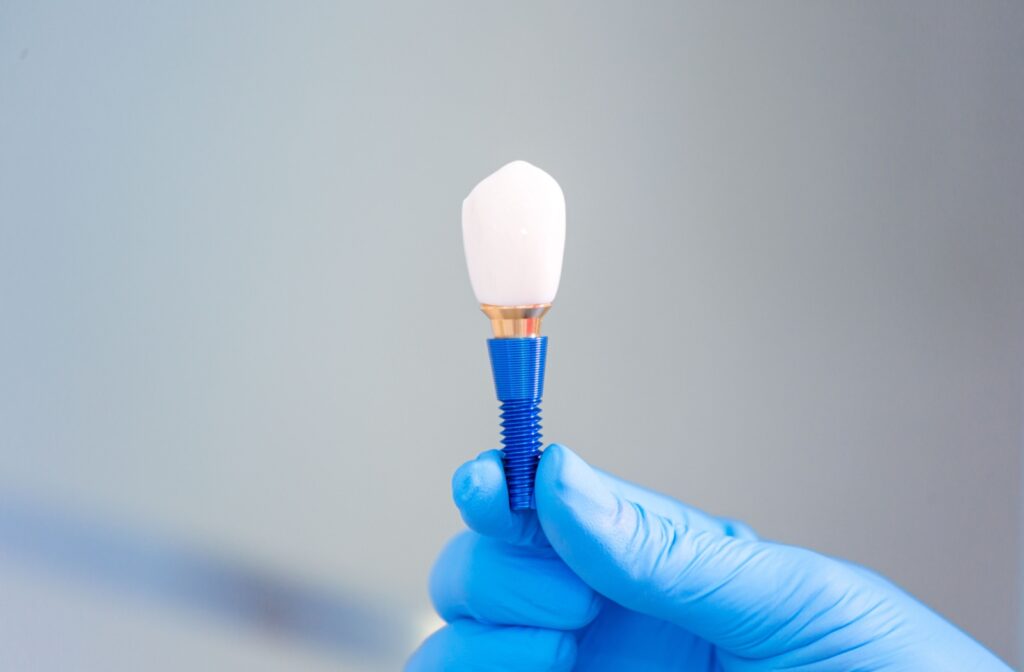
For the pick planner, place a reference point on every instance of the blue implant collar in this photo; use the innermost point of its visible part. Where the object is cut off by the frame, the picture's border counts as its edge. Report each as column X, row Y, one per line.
column 518, row 368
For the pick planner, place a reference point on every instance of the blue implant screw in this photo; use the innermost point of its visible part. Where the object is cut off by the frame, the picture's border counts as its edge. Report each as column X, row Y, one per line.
column 518, row 368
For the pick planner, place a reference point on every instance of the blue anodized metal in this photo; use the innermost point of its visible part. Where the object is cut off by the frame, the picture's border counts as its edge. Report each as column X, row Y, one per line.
column 518, row 368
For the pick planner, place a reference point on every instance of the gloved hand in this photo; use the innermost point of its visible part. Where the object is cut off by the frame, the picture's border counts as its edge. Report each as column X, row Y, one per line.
column 609, row 576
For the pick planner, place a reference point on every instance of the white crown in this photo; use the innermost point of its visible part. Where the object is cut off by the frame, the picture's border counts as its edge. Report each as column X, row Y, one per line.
column 513, row 230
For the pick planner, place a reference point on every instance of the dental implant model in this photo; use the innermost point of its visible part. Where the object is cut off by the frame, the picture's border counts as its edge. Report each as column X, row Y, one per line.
column 513, row 229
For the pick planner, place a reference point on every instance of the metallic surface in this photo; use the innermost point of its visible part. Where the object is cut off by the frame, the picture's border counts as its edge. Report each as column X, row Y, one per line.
column 518, row 368
column 516, row 321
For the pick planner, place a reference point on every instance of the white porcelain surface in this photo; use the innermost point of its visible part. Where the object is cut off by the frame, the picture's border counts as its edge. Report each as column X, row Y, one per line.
column 513, row 228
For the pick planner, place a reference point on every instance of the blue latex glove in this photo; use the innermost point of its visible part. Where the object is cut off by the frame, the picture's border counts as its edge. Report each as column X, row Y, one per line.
column 609, row 576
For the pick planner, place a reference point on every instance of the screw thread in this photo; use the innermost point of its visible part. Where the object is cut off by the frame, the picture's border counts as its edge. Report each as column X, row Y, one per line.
column 520, row 438
column 518, row 367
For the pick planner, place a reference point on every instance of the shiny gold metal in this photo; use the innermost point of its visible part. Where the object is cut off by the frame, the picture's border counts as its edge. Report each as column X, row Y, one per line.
column 516, row 321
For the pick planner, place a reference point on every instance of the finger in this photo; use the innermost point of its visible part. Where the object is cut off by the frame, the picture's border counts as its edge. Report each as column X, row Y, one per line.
column 467, row 645
column 495, row 582
column 738, row 529
column 692, row 517
column 715, row 586
column 480, row 493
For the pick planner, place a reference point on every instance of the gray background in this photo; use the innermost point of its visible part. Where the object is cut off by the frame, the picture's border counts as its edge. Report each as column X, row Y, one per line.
column 236, row 318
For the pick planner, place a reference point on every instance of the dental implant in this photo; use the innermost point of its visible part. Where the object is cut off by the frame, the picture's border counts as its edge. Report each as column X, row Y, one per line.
column 513, row 229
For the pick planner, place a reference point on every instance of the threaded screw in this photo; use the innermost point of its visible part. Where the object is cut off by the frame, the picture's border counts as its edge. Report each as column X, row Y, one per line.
column 518, row 368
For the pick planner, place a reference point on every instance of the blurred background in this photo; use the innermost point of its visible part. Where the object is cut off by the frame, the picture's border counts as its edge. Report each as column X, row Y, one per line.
column 240, row 357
